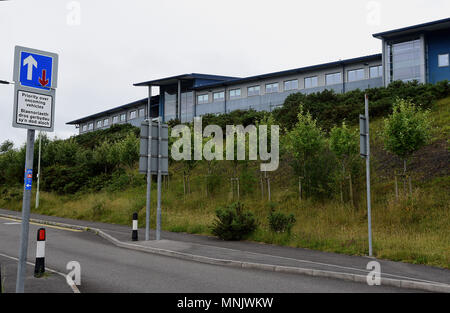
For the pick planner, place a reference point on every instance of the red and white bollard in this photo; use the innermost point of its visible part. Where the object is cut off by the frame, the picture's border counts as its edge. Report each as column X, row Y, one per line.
column 39, row 267
column 134, row 234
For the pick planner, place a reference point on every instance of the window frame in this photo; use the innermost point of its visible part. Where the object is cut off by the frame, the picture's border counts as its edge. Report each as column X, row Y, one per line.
column 141, row 110
column 235, row 89
column 99, row 122
column 107, row 122
column 356, row 70
column 335, row 73
column 203, row 101
column 380, row 71
column 91, row 126
column 271, row 86
column 290, row 81
column 448, row 59
column 253, row 87
column 84, row 128
column 131, row 115
column 123, row 119
column 115, row 119
column 219, row 99
column 310, row 77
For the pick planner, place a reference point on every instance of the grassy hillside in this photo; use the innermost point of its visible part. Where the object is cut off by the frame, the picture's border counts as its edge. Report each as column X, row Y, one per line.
column 412, row 229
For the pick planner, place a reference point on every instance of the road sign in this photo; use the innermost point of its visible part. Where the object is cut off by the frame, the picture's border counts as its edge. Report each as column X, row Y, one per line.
column 28, row 179
column 35, row 68
column 35, row 76
column 154, row 148
column 363, row 127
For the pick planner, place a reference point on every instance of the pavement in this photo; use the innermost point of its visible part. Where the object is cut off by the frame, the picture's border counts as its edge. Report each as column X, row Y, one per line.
column 50, row 283
column 275, row 260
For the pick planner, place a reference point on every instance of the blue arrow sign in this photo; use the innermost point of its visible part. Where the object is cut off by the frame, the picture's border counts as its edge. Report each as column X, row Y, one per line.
column 35, row 70
column 28, row 179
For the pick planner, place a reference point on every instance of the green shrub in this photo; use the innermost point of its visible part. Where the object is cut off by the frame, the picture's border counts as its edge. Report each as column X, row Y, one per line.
column 233, row 222
column 280, row 222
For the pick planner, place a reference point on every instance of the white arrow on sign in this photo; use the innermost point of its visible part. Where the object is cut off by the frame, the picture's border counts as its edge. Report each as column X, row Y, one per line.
column 30, row 61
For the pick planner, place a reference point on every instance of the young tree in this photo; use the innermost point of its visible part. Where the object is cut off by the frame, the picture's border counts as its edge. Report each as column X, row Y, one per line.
column 406, row 130
column 305, row 142
column 344, row 143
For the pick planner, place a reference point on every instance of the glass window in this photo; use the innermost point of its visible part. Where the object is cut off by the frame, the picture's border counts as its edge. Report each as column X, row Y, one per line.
column 99, row 124
column 115, row 119
column 235, row 93
column 91, row 126
column 443, row 60
column 272, row 88
column 202, row 98
column 187, row 106
column 141, row 112
column 291, row 84
column 406, row 61
column 84, row 128
column 219, row 96
column 311, row 82
column 355, row 75
column 170, row 105
column 376, row 71
column 333, row 79
column 132, row 115
column 123, row 117
column 253, row 91
column 106, row 122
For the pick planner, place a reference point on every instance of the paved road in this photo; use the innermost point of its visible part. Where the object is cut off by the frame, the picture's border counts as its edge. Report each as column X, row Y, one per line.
column 106, row 268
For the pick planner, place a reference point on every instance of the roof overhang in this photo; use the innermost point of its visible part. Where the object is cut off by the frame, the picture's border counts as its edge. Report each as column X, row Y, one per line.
column 111, row 111
column 168, row 81
column 292, row 72
column 416, row 29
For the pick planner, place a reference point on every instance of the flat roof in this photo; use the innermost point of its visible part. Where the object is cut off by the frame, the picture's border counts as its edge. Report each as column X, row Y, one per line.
column 430, row 26
column 174, row 79
column 292, row 71
column 113, row 110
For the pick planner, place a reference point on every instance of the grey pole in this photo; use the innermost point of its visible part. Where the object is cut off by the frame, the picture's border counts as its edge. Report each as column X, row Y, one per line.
column 158, row 209
column 39, row 171
column 25, row 216
column 369, row 209
column 149, row 170
column 179, row 100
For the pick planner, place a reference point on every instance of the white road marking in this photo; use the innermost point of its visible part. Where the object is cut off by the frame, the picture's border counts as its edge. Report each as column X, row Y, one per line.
column 12, row 223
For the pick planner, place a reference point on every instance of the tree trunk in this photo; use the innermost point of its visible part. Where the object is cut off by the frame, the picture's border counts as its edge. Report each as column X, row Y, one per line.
column 351, row 190
column 268, row 189
column 300, row 188
column 262, row 186
column 396, row 187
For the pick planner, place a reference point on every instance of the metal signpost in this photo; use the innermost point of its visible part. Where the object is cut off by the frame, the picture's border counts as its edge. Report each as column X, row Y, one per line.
column 365, row 153
column 154, row 159
column 35, row 77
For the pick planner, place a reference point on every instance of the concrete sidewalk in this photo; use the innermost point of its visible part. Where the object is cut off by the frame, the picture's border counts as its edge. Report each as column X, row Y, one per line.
column 50, row 283
column 267, row 257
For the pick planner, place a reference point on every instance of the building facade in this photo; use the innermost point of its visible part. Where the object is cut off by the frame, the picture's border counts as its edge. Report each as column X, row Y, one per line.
column 418, row 52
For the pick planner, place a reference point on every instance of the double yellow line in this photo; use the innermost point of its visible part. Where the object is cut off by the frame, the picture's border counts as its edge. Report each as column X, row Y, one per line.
column 45, row 225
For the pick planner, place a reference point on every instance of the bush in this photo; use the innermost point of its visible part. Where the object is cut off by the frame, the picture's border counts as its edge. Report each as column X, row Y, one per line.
column 233, row 223
column 280, row 222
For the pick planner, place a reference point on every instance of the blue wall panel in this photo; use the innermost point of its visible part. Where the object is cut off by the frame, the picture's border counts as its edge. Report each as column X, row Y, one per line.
column 437, row 43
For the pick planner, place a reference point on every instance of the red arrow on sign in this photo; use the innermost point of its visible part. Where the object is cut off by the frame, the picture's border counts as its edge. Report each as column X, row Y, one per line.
column 42, row 80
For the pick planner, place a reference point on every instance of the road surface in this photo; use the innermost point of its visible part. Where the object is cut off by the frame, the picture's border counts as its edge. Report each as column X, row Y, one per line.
column 107, row 268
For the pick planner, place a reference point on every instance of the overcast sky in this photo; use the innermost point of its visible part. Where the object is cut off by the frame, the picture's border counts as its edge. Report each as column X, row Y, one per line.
column 106, row 46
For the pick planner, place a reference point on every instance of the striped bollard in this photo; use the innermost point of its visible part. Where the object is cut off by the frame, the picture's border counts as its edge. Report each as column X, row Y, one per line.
column 39, row 267
column 134, row 235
